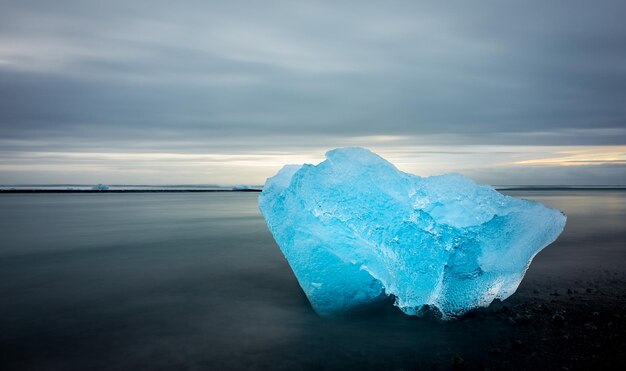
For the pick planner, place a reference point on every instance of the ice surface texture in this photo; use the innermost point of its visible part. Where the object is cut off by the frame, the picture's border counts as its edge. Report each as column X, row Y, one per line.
column 355, row 229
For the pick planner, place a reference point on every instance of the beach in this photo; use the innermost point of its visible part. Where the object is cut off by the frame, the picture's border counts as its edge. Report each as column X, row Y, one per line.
column 145, row 280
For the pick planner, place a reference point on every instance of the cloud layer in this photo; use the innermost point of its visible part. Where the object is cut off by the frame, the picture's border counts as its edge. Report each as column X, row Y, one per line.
column 108, row 91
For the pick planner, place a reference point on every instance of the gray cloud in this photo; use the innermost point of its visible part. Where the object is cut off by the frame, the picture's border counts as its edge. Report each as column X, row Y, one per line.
column 246, row 77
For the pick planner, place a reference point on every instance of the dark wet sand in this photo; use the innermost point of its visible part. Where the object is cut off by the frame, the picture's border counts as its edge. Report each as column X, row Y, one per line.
column 195, row 281
column 552, row 324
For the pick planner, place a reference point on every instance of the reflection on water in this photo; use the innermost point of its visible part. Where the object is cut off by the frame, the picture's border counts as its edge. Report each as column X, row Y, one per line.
column 124, row 281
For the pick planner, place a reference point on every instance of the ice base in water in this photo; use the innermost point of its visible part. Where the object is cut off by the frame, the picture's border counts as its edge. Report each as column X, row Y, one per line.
column 355, row 229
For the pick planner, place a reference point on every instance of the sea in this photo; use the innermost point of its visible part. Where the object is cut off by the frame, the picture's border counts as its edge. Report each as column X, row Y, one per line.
column 194, row 280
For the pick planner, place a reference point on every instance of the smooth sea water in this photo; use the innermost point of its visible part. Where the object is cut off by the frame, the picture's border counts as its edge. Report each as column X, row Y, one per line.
column 195, row 281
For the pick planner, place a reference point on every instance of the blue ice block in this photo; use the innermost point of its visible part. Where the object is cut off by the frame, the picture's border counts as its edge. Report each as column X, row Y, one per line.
column 355, row 229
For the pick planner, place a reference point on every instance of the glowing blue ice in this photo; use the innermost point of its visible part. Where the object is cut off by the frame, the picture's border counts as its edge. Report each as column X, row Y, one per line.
column 355, row 229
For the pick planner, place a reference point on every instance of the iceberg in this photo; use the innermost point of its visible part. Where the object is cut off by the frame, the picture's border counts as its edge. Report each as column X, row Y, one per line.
column 355, row 230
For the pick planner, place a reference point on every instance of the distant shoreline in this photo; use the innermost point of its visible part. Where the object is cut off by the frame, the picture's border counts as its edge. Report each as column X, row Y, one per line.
column 123, row 190
column 562, row 189
column 13, row 191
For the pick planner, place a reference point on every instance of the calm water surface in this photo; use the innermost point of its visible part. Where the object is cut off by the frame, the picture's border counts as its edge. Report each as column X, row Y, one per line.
column 195, row 281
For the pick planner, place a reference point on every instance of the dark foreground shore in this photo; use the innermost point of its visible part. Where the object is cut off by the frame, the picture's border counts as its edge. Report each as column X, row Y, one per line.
column 549, row 325
column 195, row 281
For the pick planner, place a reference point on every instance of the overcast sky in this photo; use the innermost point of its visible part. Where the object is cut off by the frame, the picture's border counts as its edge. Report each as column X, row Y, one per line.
column 160, row 92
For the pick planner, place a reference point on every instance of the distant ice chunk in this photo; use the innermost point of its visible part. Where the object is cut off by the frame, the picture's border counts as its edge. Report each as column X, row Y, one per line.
column 355, row 229
column 100, row 187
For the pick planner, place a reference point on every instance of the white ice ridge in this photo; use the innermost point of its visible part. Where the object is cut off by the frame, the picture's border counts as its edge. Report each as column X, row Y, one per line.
column 355, row 229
